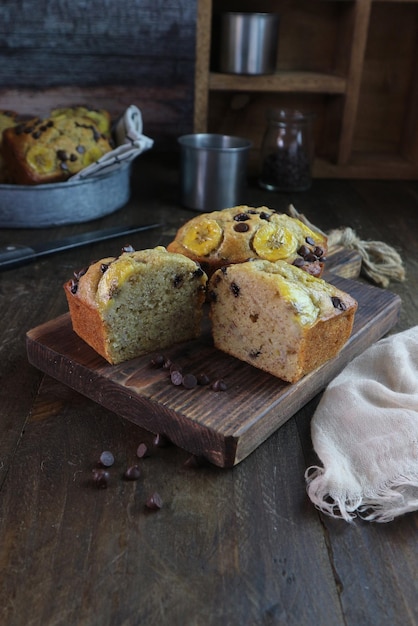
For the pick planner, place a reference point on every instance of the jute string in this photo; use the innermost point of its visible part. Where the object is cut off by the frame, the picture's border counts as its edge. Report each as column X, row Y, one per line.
column 381, row 263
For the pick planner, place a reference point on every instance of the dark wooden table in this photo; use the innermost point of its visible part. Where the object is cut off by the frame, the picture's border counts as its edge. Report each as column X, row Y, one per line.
column 235, row 547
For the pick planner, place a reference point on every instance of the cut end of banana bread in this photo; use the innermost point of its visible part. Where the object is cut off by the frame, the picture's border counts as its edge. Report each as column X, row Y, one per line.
column 137, row 303
column 278, row 318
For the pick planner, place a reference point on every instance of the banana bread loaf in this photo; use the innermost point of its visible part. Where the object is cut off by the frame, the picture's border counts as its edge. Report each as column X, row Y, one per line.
column 278, row 318
column 136, row 303
column 241, row 233
column 52, row 149
column 100, row 117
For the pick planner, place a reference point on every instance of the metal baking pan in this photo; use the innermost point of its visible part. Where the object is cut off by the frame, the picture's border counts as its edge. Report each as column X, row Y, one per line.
column 71, row 202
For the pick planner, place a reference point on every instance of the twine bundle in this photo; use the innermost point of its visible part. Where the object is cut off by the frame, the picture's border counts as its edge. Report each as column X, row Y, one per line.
column 381, row 263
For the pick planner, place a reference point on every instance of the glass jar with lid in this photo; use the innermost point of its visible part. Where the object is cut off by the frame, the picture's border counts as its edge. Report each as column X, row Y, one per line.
column 287, row 151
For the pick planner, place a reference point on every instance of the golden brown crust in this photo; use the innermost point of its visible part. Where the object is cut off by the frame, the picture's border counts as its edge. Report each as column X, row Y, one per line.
column 235, row 231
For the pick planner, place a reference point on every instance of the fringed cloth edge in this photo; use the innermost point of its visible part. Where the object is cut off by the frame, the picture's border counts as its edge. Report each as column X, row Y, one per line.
column 393, row 498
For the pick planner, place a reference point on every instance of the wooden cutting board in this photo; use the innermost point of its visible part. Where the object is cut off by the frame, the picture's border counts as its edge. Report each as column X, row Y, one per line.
column 222, row 427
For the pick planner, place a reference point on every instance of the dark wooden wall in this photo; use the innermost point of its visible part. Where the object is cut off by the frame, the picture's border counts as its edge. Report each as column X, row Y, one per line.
column 108, row 53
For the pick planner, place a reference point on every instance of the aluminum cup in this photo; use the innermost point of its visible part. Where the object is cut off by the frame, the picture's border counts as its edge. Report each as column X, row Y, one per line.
column 249, row 43
column 213, row 171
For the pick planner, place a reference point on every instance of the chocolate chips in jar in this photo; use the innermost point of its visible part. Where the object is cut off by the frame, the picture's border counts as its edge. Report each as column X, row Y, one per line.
column 287, row 152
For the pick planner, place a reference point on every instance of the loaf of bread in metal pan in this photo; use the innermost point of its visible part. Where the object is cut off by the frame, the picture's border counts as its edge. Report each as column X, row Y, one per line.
column 52, row 149
column 136, row 303
column 278, row 318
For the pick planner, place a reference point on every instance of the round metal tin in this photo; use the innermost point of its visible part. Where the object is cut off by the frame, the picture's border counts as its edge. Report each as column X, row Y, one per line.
column 71, row 202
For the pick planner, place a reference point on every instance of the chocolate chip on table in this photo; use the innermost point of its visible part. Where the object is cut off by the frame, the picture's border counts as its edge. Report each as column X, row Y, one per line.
column 189, row 381
column 219, row 385
column 106, row 458
column 176, row 377
column 154, row 502
column 132, row 473
column 203, row 379
column 158, row 360
column 101, row 478
column 142, row 451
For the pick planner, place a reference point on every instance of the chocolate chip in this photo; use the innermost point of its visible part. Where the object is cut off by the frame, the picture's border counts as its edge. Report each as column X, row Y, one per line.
column 241, row 227
column 310, row 258
column 310, row 241
column 101, row 478
column 265, row 216
column 219, row 385
column 73, row 286
column 337, row 303
column 304, row 251
column 106, row 458
column 177, row 281
column 154, row 502
column 167, row 365
column 80, row 149
column 203, row 379
column 318, row 251
column 198, row 273
column 212, row 296
column 241, row 217
column 298, row 262
column 62, row 155
column 254, row 354
column 189, row 381
column 104, row 267
column 158, row 360
column 176, row 378
column 128, row 248
column 235, row 289
column 142, row 451
column 132, row 473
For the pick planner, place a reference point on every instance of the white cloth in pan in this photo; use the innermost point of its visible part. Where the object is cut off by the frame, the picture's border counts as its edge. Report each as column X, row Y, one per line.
column 365, row 433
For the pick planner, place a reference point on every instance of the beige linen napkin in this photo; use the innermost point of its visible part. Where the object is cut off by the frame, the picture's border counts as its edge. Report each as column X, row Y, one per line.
column 365, row 433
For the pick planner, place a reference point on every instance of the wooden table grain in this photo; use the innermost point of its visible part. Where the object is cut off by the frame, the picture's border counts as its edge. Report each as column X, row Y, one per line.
column 231, row 547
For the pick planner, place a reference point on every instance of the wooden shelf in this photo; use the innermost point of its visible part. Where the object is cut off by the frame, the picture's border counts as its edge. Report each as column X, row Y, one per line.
column 353, row 63
column 304, row 82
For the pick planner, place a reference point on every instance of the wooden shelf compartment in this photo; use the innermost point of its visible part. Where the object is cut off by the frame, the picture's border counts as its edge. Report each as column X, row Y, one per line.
column 353, row 63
